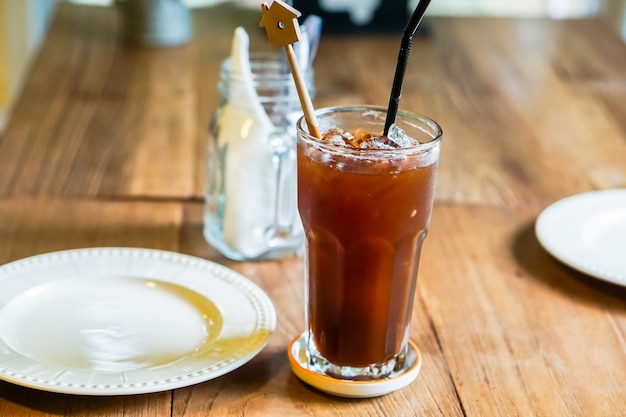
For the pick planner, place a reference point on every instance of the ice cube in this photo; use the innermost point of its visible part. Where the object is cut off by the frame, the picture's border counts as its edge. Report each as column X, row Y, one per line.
column 400, row 138
column 337, row 137
column 363, row 139
column 375, row 142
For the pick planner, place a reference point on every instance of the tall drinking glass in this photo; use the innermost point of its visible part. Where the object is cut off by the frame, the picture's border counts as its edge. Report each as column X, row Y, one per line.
column 365, row 213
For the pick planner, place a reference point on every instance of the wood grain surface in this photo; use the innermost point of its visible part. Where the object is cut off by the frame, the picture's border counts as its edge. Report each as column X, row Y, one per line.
column 106, row 148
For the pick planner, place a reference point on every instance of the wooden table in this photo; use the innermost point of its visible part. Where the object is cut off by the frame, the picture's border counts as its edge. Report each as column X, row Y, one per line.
column 105, row 148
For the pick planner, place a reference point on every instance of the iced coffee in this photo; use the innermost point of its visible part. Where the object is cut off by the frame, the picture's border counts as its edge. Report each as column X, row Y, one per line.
column 365, row 201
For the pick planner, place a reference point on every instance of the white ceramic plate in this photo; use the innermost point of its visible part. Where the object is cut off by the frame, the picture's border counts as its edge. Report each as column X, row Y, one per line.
column 588, row 232
column 117, row 321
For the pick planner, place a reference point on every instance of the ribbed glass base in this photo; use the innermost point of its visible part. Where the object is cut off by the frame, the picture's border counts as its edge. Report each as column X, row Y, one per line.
column 319, row 364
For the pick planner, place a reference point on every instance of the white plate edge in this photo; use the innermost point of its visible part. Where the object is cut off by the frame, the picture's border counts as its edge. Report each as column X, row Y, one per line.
column 547, row 241
column 221, row 271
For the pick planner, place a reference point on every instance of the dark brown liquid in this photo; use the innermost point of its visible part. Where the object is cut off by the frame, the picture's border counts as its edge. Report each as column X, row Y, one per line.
column 364, row 234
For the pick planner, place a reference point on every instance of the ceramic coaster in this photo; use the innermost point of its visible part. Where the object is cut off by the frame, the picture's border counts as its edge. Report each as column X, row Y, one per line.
column 353, row 389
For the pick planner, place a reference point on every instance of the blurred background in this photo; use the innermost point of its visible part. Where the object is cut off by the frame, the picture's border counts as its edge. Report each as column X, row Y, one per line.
column 23, row 23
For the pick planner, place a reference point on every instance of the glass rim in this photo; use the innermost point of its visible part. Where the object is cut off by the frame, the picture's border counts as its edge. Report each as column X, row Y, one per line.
column 269, row 76
column 436, row 136
column 267, row 66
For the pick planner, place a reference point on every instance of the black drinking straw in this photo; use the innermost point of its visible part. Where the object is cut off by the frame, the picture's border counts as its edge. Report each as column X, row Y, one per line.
column 403, row 59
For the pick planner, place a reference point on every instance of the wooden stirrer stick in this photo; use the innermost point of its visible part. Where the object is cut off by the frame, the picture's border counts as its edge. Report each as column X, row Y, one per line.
column 281, row 24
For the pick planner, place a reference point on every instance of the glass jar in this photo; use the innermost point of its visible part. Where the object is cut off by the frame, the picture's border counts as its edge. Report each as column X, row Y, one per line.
column 250, row 208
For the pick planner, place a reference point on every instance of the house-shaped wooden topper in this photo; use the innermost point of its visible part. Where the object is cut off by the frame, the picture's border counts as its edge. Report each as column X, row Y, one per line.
column 280, row 23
